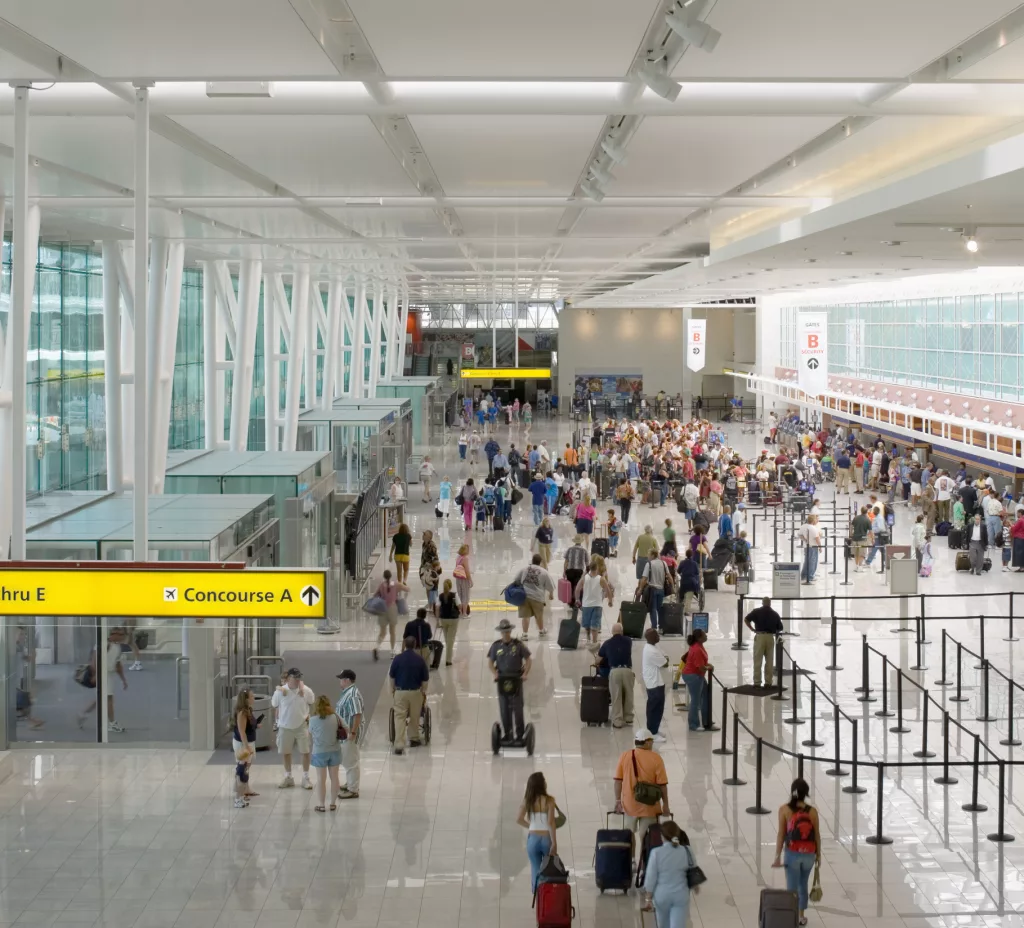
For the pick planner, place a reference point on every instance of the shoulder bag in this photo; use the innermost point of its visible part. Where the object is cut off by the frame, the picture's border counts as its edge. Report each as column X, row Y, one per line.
column 695, row 876
column 815, row 893
column 647, row 794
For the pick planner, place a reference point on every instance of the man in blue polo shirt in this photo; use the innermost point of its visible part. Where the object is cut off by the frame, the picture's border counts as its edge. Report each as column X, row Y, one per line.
column 616, row 656
column 409, row 676
column 538, row 490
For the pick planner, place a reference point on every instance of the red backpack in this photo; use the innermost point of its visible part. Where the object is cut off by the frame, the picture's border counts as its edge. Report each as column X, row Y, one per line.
column 800, row 836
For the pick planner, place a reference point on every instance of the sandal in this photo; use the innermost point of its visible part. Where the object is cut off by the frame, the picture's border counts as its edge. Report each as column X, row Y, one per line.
column 334, row 808
column 319, row 809
column 247, row 795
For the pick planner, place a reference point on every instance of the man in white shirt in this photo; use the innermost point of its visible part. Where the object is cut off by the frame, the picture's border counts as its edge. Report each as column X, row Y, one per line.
column 876, row 468
column 653, row 662
column 292, row 702
column 810, row 538
column 426, row 473
column 545, row 455
column 586, row 487
column 943, row 494
column 993, row 509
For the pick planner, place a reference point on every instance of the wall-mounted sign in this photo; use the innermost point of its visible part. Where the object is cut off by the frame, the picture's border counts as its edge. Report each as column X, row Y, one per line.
column 696, row 339
column 812, row 352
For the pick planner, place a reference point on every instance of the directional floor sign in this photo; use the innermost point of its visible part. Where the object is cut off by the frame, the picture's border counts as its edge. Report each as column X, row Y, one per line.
column 163, row 593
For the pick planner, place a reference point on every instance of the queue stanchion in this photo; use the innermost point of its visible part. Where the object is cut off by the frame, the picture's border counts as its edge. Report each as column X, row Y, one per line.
column 833, row 643
column 813, row 741
column 753, row 528
column 735, row 780
column 924, row 624
column 780, row 695
column 974, row 805
column 775, row 534
column 924, row 752
column 986, row 715
column 795, row 719
column 885, row 712
column 757, row 808
column 739, row 644
column 707, row 697
column 865, row 674
column 846, row 563
column 835, row 560
column 942, row 681
column 959, row 676
column 1009, row 633
column 825, row 530
column 946, row 779
column 837, row 770
column 1009, row 740
column 899, row 728
column 854, row 786
column 800, row 766
column 1000, row 833
column 919, row 646
column 878, row 838
column 792, row 545
column 724, row 748
column 981, row 648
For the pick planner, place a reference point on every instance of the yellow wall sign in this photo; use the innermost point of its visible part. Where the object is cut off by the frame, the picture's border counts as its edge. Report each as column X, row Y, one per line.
column 163, row 593
column 503, row 373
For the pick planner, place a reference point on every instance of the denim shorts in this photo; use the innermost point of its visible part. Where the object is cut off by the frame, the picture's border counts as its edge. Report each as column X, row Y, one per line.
column 326, row 759
column 592, row 617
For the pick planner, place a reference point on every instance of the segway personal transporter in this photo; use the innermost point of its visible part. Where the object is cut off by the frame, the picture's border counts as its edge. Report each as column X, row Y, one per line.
column 509, row 687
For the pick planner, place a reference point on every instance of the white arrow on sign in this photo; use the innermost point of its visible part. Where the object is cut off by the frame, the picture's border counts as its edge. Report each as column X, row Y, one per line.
column 310, row 595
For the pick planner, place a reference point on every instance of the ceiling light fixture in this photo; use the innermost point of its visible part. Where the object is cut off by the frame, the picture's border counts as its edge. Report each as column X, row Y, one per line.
column 655, row 76
column 613, row 150
column 591, row 191
column 970, row 243
column 601, row 174
column 692, row 30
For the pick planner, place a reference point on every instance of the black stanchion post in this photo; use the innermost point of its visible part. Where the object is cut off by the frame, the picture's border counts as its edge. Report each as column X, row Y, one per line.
column 780, row 694
column 1009, row 740
column 854, row 787
column 813, row 741
column 724, row 749
column 943, row 681
column 986, row 716
column 924, row 752
column 795, row 719
column 981, row 649
column 792, row 546
column 738, row 644
column 775, row 536
column 885, row 712
column 735, row 780
column 825, row 531
column 833, row 643
column 959, row 676
column 878, row 837
column 899, row 728
column 1009, row 633
column 946, row 779
column 709, row 724
column 846, row 563
column 865, row 683
column 753, row 524
column 800, row 766
column 974, row 805
column 1000, row 833
column 919, row 646
column 924, row 624
column 757, row 808
column 835, row 563
column 837, row 770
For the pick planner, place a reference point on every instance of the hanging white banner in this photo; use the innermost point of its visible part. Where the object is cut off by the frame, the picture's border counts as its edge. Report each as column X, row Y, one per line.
column 812, row 352
column 696, row 336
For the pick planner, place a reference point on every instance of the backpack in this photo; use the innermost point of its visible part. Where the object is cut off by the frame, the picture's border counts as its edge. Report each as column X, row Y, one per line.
column 740, row 551
column 800, row 836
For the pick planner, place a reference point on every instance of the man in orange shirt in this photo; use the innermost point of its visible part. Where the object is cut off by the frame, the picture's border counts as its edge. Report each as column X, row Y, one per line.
column 640, row 765
column 570, row 456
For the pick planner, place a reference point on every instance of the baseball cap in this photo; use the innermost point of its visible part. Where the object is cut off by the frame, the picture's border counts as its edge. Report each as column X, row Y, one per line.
column 504, row 625
column 347, row 675
column 642, row 734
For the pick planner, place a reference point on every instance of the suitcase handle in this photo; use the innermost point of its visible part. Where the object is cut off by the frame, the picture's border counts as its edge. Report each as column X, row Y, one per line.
column 608, row 816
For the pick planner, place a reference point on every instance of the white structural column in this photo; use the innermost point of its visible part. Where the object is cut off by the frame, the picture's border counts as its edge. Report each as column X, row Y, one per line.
column 272, row 359
column 213, row 347
column 125, row 259
column 377, row 321
column 403, row 325
column 140, row 521
column 332, row 387
column 357, row 377
column 159, row 248
column 112, row 368
column 391, row 327
column 163, row 379
column 319, row 331
column 347, row 353
column 296, row 349
column 246, row 321
column 515, row 334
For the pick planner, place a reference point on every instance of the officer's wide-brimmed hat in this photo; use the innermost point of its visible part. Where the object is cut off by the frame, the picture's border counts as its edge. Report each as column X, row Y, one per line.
column 504, row 626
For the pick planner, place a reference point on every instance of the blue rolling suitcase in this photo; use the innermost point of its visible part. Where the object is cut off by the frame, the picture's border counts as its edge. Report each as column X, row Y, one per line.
column 613, row 857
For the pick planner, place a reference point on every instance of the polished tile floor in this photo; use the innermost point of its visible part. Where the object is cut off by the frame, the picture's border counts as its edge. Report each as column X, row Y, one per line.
column 126, row 837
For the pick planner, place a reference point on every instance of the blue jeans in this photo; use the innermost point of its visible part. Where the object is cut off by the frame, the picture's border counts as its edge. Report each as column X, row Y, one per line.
column 657, row 597
column 592, row 617
column 508, row 510
column 655, row 708
column 538, row 514
column 995, row 528
column 671, row 910
column 462, row 452
column 810, row 564
column 538, row 847
column 871, row 554
column 697, row 689
column 798, row 875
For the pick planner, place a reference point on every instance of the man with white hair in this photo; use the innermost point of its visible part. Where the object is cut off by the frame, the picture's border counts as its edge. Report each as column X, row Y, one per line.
column 545, row 455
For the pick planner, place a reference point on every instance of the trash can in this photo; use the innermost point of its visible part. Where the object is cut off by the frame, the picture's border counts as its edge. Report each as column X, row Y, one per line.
column 265, row 730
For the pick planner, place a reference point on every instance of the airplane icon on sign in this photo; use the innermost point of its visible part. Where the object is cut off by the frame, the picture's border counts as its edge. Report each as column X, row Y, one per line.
column 170, row 594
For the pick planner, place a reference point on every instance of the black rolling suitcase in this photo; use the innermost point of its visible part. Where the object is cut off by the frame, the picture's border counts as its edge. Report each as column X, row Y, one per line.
column 599, row 546
column 568, row 634
column 670, row 617
column 595, row 700
column 613, row 857
column 633, row 617
column 955, row 538
column 710, row 580
column 498, row 522
column 778, row 909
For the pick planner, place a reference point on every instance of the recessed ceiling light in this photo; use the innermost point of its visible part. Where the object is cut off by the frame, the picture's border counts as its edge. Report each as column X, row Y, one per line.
column 810, row 260
column 845, row 254
column 893, row 243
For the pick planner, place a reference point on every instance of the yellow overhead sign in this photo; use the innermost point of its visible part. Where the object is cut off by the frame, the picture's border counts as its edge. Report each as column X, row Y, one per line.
column 163, row 593
column 501, row 373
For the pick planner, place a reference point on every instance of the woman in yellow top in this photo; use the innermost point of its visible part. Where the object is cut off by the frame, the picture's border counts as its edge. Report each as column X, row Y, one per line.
column 401, row 545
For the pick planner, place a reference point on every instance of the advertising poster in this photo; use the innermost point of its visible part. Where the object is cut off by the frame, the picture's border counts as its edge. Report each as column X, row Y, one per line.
column 608, row 384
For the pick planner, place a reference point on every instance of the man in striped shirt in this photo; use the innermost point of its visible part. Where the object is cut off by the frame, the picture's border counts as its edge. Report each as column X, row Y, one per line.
column 350, row 711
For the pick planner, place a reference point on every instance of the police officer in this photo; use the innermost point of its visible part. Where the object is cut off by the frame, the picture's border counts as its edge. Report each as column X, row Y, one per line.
column 509, row 657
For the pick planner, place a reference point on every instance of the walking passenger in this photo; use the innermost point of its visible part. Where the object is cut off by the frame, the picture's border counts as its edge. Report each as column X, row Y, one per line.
column 800, row 837
column 537, row 816
column 616, row 654
column 665, row 878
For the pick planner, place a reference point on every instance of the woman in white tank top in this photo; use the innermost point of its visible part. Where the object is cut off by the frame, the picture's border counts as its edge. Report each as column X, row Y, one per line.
column 537, row 816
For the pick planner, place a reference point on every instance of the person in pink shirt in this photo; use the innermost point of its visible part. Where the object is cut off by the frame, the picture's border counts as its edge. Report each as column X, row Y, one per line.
column 585, row 515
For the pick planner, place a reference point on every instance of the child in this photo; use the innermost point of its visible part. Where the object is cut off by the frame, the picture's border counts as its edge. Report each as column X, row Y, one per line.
column 614, row 526
column 430, row 577
column 444, row 502
column 480, row 507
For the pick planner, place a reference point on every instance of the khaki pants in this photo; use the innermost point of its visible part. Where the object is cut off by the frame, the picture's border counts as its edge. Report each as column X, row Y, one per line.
column 764, row 650
column 688, row 599
column 350, row 764
column 449, row 627
column 942, row 508
column 639, row 827
column 408, row 705
column 858, row 477
column 620, row 682
column 842, row 479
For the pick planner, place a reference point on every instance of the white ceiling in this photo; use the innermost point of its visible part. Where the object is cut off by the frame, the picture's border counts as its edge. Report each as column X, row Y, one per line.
column 476, row 191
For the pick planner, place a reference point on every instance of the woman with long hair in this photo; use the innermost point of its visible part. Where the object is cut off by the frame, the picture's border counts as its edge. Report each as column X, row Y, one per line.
column 326, row 755
column 468, row 494
column 243, row 741
column 537, row 816
column 800, row 837
column 401, row 544
column 463, row 579
column 665, row 878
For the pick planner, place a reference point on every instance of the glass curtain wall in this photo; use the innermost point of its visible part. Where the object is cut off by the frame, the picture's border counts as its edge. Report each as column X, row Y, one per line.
column 959, row 344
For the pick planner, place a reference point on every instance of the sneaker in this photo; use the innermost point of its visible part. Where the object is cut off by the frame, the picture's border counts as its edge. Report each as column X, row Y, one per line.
column 659, row 738
column 135, row 665
column 306, row 783
column 399, row 752
column 115, row 726
column 346, row 793
column 286, row 783
column 240, row 803
column 524, row 637
column 415, row 744
column 543, row 633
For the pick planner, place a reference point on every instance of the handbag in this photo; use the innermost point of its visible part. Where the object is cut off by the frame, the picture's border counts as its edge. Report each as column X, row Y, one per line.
column 560, row 818
column 816, row 893
column 460, row 500
column 647, row 794
column 695, row 876
column 516, row 495
column 459, row 572
column 342, row 733
column 375, row 605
